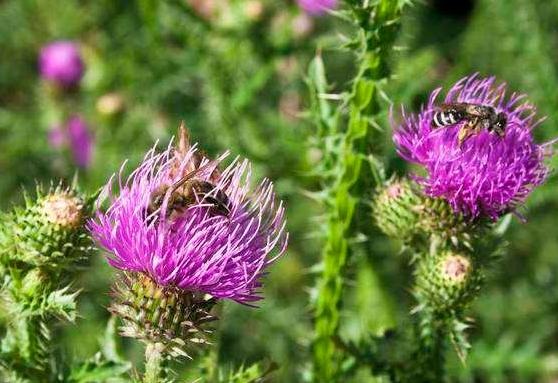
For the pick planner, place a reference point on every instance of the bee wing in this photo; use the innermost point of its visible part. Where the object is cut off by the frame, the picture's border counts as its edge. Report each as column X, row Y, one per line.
column 457, row 106
column 192, row 174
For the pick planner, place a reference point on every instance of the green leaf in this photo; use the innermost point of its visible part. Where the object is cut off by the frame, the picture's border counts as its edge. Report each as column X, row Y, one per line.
column 61, row 303
column 98, row 370
column 109, row 342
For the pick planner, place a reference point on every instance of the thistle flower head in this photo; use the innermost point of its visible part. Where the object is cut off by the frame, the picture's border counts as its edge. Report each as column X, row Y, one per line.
column 192, row 248
column 487, row 175
column 317, row 7
column 61, row 63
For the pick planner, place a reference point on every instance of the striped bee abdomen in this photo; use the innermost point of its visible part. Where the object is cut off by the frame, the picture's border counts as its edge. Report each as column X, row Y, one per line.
column 446, row 117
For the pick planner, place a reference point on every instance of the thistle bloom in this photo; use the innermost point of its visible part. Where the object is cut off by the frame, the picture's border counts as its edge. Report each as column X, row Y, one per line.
column 195, row 251
column 61, row 63
column 317, row 7
column 487, row 175
column 80, row 140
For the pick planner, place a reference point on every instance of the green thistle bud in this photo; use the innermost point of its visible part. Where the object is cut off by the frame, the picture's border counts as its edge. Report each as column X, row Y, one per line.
column 448, row 282
column 45, row 231
column 396, row 209
column 163, row 315
column 402, row 211
column 438, row 218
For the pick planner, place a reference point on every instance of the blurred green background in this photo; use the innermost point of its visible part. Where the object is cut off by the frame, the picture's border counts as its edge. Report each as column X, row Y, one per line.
column 236, row 76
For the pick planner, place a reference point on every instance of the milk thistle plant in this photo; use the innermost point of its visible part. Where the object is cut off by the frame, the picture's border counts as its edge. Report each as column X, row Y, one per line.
column 348, row 167
column 208, row 237
column 447, row 215
column 41, row 246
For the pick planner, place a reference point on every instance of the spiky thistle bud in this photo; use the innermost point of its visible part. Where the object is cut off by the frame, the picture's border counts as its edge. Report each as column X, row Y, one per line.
column 437, row 218
column 447, row 282
column 46, row 231
column 396, row 208
column 402, row 211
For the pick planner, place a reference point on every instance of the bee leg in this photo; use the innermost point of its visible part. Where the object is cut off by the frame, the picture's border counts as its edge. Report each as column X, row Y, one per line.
column 466, row 131
column 463, row 134
column 217, row 206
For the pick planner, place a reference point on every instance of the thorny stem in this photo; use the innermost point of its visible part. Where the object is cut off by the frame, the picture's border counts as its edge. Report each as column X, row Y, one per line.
column 377, row 24
column 431, row 349
column 154, row 363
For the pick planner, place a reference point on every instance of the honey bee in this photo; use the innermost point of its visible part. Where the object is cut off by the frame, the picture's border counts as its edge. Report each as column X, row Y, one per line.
column 186, row 192
column 476, row 117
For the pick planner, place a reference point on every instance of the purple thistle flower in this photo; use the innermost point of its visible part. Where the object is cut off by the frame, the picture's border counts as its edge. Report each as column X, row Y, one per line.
column 487, row 175
column 224, row 256
column 317, row 7
column 80, row 140
column 61, row 63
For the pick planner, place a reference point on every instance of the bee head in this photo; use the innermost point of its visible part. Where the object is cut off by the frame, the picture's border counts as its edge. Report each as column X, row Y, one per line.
column 500, row 125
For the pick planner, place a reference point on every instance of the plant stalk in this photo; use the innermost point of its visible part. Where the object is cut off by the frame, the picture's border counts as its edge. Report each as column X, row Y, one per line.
column 154, row 363
column 377, row 26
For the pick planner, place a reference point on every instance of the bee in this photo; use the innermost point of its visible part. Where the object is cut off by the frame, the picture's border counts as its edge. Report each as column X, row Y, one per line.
column 186, row 192
column 476, row 117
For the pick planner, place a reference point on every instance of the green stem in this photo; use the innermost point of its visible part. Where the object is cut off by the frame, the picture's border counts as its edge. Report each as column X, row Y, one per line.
column 432, row 350
column 377, row 28
column 154, row 363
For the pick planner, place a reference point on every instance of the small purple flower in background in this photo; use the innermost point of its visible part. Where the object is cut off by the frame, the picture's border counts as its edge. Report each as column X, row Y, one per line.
column 61, row 63
column 487, row 175
column 224, row 255
column 80, row 140
column 76, row 135
column 317, row 7
column 57, row 137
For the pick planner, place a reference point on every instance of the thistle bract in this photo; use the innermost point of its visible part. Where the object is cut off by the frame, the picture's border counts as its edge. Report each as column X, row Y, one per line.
column 223, row 255
column 167, row 315
column 487, row 175
column 61, row 63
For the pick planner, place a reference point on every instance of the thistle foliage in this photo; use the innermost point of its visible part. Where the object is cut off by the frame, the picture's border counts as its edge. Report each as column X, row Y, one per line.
column 43, row 243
